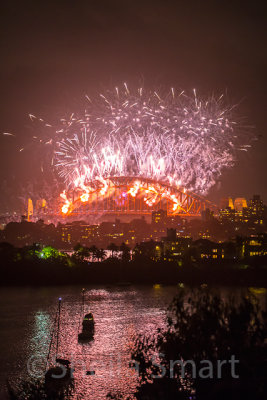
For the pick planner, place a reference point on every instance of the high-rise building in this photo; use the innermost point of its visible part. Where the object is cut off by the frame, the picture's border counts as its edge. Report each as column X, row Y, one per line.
column 255, row 211
column 171, row 234
column 240, row 203
column 29, row 210
column 89, row 233
column 66, row 231
column 256, row 205
column 159, row 217
column 227, row 214
column 41, row 205
column 226, row 202
column 174, row 247
column 174, row 221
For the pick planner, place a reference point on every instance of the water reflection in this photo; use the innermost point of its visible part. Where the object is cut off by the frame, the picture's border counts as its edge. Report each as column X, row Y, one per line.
column 41, row 330
column 119, row 313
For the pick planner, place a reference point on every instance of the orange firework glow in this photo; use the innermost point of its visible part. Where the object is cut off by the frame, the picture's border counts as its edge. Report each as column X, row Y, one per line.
column 124, row 194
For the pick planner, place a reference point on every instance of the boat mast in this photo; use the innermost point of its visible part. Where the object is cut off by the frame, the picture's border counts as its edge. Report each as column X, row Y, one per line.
column 83, row 291
column 58, row 323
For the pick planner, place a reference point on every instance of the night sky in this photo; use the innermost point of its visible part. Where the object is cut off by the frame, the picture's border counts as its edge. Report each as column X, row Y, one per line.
column 53, row 53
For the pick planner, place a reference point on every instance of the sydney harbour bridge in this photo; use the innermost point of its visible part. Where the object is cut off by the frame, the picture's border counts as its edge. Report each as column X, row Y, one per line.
column 135, row 196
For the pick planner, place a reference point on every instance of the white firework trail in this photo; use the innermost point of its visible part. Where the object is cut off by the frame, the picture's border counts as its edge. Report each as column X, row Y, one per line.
column 181, row 140
column 174, row 138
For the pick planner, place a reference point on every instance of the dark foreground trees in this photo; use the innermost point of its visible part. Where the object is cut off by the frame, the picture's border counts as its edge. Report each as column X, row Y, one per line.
column 211, row 349
column 36, row 390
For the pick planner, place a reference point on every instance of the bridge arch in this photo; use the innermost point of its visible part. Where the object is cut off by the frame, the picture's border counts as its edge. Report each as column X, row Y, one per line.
column 134, row 195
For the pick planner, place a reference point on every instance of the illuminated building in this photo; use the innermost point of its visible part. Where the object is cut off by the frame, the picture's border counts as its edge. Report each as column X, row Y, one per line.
column 254, row 245
column 173, row 221
column 174, row 248
column 30, row 210
column 151, row 249
column 159, row 217
column 205, row 249
column 240, row 209
column 204, row 233
column 138, row 230
column 253, row 213
column 67, row 233
column 89, row 233
column 250, row 213
column 112, row 231
column 41, row 205
column 256, row 208
column 226, row 202
column 159, row 224
column 240, row 203
column 79, row 232
column 227, row 214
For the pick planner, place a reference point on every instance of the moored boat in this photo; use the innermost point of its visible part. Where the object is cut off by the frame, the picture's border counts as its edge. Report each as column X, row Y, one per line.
column 88, row 324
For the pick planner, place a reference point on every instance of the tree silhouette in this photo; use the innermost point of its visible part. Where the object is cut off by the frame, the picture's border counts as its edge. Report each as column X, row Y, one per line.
column 81, row 252
column 113, row 248
column 100, row 254
column 93, row 252
column 125, row 250
column 36, row 390
column 205, row 327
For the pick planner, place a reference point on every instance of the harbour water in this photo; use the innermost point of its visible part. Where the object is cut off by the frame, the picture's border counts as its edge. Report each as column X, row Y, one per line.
column 27, row 320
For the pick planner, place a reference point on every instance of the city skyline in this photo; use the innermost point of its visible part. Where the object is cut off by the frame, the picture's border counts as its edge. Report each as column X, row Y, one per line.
column 232, row 220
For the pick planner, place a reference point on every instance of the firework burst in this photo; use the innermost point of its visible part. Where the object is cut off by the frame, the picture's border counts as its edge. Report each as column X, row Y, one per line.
column 183, row 141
